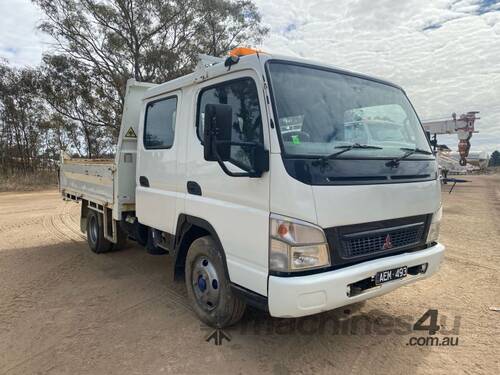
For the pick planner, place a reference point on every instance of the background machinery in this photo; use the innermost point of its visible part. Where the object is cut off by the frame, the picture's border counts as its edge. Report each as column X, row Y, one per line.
column 462, row 126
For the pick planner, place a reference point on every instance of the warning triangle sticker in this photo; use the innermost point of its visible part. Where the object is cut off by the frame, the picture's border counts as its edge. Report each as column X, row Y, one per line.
column 130, row 133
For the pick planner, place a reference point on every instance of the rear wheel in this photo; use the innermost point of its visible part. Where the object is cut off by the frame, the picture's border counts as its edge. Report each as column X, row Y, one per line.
column 95, row 233
column 208, row 285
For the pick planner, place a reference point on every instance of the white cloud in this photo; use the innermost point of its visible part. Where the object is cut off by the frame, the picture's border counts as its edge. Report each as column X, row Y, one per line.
column 446, row 54
column 20, row 42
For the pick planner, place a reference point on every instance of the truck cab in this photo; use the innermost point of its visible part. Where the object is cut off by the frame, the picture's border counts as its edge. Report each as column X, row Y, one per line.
column 293, row 186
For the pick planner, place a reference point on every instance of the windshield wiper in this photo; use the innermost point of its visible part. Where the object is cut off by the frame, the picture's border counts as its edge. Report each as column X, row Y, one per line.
column 394, row 163
column 348, row 148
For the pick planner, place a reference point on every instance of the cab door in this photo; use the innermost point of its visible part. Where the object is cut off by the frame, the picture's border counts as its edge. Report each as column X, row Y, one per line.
column 157, row 167
column 236, row 207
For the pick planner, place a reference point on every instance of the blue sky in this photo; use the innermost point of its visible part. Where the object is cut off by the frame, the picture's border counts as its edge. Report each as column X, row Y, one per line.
column 445, row 53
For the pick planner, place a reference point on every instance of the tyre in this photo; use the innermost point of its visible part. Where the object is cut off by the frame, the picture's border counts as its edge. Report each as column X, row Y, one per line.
column 122, row 238
column 95, row 233
column 208, row 285
column 140, row 233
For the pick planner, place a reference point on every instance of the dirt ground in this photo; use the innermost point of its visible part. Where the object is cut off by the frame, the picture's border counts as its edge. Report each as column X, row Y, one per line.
column 66, row 310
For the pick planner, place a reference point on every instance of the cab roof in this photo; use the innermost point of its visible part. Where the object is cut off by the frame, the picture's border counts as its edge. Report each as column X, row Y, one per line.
column 252, row 61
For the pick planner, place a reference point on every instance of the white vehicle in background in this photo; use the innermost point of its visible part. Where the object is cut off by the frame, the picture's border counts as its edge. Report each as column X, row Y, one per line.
column 376, row 131
column 245, row 173
column 477, row 159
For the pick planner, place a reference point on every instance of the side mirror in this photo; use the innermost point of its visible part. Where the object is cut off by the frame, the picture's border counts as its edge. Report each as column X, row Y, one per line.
column 217, row 132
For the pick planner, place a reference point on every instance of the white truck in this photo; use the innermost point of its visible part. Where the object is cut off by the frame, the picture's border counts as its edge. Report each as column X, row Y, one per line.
column 294, row 219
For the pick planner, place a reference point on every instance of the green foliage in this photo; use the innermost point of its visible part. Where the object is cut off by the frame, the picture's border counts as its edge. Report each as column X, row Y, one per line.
column 74, row 100
column 101, row 44
column 22, row 115
column 494, row 159
column 149, row 40
column 91, row 109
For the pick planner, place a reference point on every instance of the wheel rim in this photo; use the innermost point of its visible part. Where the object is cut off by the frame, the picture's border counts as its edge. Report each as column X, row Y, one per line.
column 94, row 229
column 205, row 282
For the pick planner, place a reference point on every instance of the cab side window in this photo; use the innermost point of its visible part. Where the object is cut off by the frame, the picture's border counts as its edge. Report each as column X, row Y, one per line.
column 159, row 124
column 242, row 95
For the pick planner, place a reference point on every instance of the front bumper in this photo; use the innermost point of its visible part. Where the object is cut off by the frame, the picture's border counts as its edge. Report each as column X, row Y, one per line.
column 307, row 295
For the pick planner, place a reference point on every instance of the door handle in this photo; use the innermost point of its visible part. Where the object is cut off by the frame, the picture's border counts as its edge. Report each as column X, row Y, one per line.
column 143, row 180
column 193, row 188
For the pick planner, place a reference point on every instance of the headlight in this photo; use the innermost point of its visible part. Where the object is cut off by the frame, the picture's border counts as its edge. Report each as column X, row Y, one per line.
column 296, row 245
column 433, row 234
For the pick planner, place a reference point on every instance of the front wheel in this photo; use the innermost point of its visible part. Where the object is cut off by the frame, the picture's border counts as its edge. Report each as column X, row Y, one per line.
column 208, row 285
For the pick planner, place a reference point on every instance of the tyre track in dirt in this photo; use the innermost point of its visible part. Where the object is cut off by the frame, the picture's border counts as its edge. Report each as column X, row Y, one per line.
column 63, row 228
column 23, row 298
column 12, row 309
column 22, row 224
column 71, row 311
column 66, row 223
column 95, row 327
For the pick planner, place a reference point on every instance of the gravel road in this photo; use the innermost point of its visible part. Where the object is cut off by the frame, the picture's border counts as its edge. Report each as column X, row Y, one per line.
column 65, row 310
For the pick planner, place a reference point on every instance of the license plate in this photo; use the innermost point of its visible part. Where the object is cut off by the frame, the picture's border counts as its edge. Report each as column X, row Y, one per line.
column 389, row 275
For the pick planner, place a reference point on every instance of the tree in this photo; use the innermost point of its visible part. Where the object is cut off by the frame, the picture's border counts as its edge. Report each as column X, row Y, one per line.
column 22, row 115
column 74, row 100
column 90, row 110
column 32, row 135
column 494, row 159
column 101, row 44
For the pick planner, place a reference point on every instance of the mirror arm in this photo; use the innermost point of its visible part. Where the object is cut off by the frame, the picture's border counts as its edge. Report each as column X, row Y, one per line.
column 223, row 165
column 252, row 144
column 234, row 174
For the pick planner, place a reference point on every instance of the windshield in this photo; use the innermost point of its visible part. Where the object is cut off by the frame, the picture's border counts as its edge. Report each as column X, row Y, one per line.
column 320, row 110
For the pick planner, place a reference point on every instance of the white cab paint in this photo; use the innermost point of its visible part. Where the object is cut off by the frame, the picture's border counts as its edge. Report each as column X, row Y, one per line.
column 156, row 204
column 306, row 295
column 339, row 205
column 237, row 207
column 126, row 154
column 290, row 197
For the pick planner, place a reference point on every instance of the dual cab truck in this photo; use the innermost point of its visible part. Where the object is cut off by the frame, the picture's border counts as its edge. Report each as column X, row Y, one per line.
column 249, row 173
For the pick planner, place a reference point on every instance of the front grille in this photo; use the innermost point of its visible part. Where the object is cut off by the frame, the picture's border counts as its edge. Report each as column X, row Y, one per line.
column 352, row 244
column 387, row 239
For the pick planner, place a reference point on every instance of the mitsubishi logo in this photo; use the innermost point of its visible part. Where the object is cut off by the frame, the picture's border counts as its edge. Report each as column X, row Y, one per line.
column 387, row 243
